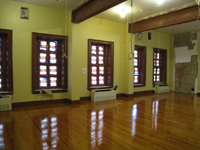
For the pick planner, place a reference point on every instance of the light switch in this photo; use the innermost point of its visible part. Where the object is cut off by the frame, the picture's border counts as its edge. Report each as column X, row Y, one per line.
column 84, row 70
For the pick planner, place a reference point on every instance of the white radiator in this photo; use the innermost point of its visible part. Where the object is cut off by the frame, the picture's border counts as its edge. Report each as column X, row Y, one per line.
column 5, row 102
column 162, row 88
column 101, row 95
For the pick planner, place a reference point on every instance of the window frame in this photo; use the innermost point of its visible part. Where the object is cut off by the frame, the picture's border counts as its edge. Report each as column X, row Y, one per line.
column 141, row 66
column 163, row 65
column 109, row 58
column 7, row 64
column 62, row 77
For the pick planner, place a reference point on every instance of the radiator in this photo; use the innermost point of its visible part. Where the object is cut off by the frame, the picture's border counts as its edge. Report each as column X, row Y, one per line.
column 162, row 88
column 101, row 95
column 5, row 102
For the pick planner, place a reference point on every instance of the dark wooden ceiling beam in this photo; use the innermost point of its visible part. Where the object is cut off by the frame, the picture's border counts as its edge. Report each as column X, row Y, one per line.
column 92, row 8
column 172, row 18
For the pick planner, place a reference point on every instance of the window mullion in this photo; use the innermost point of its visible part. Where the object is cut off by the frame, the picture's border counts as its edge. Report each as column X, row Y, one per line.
column 97, row 64
column 48, row 63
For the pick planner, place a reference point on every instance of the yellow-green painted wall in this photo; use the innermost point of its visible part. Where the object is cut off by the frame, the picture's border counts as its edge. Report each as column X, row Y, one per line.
column 158, row 40
column 99, row 29
column 42, row 20
column 52, row 21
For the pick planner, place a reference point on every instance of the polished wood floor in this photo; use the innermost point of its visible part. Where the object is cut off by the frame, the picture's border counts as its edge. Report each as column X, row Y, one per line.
column 160, row 121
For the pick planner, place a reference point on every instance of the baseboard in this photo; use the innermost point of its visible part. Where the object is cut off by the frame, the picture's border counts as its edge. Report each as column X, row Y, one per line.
column 125, row 95
column 144, row 93
column 44, row 102
column 85, row 98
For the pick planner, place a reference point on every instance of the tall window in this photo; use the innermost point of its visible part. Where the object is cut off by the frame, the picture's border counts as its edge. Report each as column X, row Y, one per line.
column 49, row 66
column 100, row 64
column 6, row 74
column 139, row 66
column 159, row 65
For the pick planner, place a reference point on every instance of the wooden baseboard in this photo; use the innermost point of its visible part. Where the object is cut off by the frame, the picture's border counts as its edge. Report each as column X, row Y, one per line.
column 44, row 102
column 125, row 95
column 144, row 93
column 85, row 98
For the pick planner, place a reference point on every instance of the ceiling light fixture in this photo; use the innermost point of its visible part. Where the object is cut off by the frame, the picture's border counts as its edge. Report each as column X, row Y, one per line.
column 123, row 10
column 122, row 13
column 159, row 2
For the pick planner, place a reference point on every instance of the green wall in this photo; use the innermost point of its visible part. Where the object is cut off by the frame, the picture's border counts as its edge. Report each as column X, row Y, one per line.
column 42, row 20
column 52, row 21
column 158, row 40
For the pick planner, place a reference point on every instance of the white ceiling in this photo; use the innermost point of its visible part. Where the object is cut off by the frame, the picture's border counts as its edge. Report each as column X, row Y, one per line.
column 140, row 9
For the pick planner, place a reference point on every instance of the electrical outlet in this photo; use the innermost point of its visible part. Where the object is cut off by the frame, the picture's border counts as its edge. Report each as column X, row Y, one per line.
column 84, row 70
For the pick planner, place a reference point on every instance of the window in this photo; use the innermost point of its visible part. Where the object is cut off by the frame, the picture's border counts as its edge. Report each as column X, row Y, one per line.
column 49, row 66
column 6, row 74
column 139, row 66
column 159, row 65
column 100, row 64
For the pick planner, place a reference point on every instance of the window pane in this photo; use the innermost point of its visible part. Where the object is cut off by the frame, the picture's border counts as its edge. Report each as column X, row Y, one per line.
column 94, row 80
column 101, row 79
column 53, row 70
column 135, row 53
column 155, row 55
column 94, row 70
column 0, row 43
column 154, row 71
column 158, row 55
column 158, row 70
column 43, row 82
column 94, row 60
column 101, row 50
column 43, row 70
column 0, row 83
column 0, row 55
column 158, row 78
column 53, row 46
column 157, row 62
column 43, row 45
column 136, row 71
column 135, row 79
column 154, row 78
column 42, row 58
column 94, row 49
column 101, row 59
column 135, row 62
column 101, row 70
column 53, row 81
column 53, row 59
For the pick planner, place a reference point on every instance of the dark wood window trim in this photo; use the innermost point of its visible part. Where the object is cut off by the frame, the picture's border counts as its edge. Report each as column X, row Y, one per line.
column 6, row 61
column 162, row 65
column 108, row 59
column 62, row 77
column 141, row 66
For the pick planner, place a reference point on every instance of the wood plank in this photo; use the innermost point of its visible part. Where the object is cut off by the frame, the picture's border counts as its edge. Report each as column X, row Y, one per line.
column 153, row 122
column 92, row 8
column 173, row 18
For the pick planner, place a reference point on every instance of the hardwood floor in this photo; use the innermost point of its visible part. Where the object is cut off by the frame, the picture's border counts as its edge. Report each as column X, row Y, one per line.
column 155, row 122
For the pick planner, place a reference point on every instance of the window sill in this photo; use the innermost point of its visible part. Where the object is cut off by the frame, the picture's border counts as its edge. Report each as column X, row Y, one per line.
column 99, row 87
column 53, row 91
column 139, row 85
column 5, row 92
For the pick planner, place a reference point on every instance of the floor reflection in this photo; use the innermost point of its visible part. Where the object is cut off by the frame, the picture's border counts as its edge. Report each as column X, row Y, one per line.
column 96, row 127
column 1, row 136
column 134, row 117
column 155, row 105
column 49, row 135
